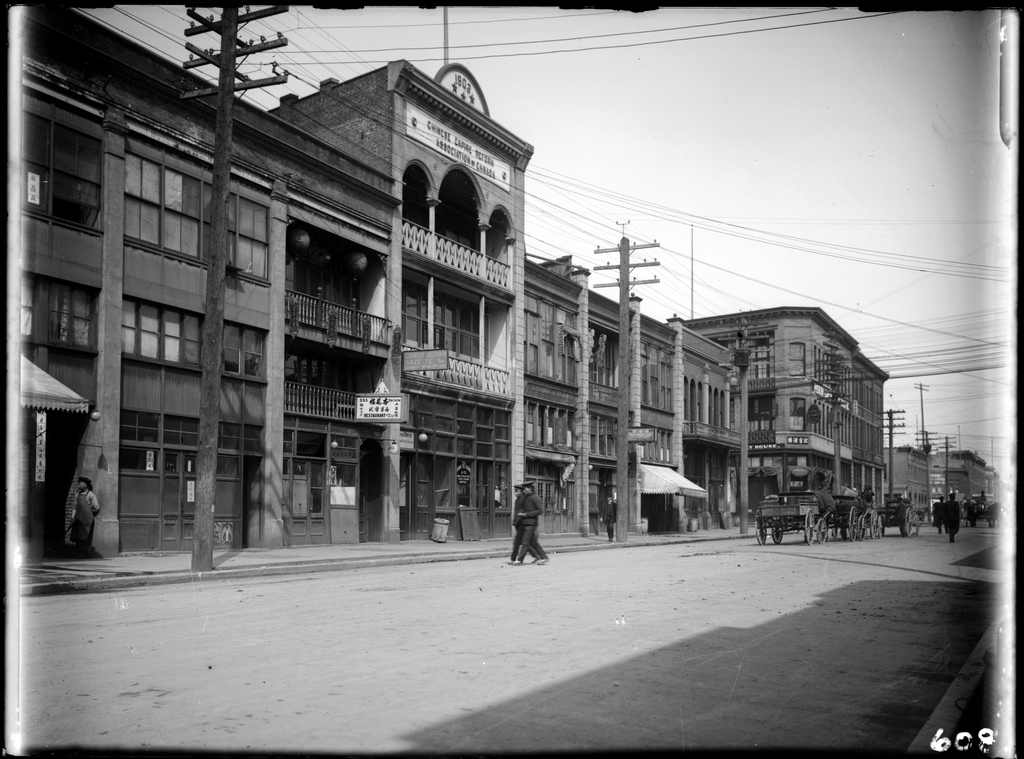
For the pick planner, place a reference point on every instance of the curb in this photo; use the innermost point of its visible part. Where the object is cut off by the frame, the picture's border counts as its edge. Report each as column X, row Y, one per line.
column 143, row 579
column 947, row 716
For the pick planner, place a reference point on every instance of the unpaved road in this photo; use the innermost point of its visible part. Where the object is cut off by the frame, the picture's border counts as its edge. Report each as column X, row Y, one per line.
column 698, row 646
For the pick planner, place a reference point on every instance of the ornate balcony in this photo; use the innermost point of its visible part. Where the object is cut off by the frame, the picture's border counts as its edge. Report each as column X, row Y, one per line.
column 710, row 433
column 310, row 400
column 319, row 314
column 467, row 374
column 416, row 239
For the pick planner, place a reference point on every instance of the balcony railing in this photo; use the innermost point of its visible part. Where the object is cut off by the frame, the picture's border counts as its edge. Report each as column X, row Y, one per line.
column 711, row 433
column 334, row 320
column 761, row 437
column 418, row 240
column 318, row 401
column 467, row 374
column 760, row 384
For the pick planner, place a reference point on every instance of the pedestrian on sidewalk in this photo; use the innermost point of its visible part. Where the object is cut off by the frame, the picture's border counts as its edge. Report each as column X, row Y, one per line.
column 611, row 516
column 87, row 508
column 939, row 513
column 952, row 517
column 525, row 516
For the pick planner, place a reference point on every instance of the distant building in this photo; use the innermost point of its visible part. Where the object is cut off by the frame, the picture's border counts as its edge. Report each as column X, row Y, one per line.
column 909, row 476
column 807, row 383
column 962, row 472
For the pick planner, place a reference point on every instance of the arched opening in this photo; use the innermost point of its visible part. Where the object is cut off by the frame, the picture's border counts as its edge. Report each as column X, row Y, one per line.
column 497, row 236
column 456, row 218
column 414, row 197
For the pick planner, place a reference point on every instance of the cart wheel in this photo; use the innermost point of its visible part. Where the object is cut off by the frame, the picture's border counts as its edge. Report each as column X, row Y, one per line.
column 851, row 530
column 762, row 532
column 876, row 525
column 821, row 530
column 777, row 534
column 808, row 528
column 916, row 526
column 905, row 525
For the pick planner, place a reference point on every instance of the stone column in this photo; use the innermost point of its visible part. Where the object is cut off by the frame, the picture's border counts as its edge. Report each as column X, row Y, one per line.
column 102, row 437
column 271, row 515
column 581, row 429
column 678, row 414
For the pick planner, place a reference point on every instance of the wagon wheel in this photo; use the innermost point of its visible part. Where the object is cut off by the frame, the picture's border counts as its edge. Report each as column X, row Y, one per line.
column 821, row 530
column 915, row 525
column 808, row 528
column 777, row 533
column 905, row 523
column 761, row 531
column 876, row 525
column 851, row 530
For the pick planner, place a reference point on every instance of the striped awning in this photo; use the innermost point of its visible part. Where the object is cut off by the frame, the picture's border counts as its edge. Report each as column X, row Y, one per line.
column 40, row 390
column 663, row 479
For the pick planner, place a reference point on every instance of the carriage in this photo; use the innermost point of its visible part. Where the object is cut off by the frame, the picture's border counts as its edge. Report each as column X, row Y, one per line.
column 898, row 512
column 843, row 516
column 785, row 512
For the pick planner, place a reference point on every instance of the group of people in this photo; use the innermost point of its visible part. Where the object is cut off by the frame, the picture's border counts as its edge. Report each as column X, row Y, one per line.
column 946, row 513
column 525, row 514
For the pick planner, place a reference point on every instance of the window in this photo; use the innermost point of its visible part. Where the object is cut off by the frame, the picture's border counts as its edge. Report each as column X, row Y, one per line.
column 797, row 360
column 797, row 414
column 415, row 325
column 71, row 316
column 27, row 307
column 181, row 431
column 139, row 427
column 243, row 351
column 604, row 359
column 456, row 325
column 62, row 169
column 171, row 207
column 161, row 334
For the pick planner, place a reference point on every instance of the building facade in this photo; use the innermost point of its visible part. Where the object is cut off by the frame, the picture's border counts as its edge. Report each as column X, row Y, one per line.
column 115, row 211
column 810, row 392
column 908, row 476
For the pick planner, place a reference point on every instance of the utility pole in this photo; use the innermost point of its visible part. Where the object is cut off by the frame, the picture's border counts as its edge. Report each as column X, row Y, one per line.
column 835, row 381
column 622, row 444
column 217, row 256
column 947, row 464
column 741, row 360
column 892, row 427
column 925, row 445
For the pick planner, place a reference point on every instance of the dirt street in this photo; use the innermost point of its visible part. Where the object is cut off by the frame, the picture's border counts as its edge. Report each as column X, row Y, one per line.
column 709, row 646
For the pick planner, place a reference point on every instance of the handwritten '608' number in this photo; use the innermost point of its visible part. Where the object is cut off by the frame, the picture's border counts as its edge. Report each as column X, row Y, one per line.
column 986, row 739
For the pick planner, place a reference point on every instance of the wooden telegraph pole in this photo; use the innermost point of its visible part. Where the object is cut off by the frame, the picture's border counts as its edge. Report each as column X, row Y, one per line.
column 217, row 255
column 622, row 444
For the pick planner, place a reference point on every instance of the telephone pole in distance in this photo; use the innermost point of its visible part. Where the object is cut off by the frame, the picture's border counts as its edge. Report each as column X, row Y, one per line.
column 622, row 444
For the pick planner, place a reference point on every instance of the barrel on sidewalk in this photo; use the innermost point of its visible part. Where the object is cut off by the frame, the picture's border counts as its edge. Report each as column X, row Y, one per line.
column 440, row 533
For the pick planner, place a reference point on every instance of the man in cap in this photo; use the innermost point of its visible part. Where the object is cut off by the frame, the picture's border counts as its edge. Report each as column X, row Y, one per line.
column 525, row 514
column 952, row 514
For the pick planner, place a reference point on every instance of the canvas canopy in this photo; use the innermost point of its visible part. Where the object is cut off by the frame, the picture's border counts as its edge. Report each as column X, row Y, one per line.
column 40, row 390
column 663, row 479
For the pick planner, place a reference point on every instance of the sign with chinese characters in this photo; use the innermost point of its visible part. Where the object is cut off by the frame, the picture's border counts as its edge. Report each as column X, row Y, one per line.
column 429, row 131
column 797, row 440
column 40, row 446
column 380, row 408
column 34, row 189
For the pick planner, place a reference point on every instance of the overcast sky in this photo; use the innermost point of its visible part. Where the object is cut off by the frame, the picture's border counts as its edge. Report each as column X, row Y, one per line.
column 796, row 156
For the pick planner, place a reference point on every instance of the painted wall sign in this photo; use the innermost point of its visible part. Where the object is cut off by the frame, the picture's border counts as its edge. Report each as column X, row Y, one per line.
column 427, row 130
column 424, row 361
column 457, row 80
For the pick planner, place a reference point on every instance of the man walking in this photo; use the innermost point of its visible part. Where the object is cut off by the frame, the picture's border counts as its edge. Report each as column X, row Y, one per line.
column 525, row 515
column 939, row 513
column 952, row 517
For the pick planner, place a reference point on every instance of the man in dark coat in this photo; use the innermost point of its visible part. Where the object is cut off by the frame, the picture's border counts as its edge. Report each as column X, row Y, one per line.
column 611, row 516
column 525, row 515
column 939, row 513
column 952, row 517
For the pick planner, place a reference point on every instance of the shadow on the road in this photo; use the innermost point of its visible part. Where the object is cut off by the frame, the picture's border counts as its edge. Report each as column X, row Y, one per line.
column 990, row 561
column 860, row 670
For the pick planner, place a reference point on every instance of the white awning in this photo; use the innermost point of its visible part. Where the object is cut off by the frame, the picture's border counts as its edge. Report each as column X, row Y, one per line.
column 40, row 390
column 555, row 457
column 663, row 479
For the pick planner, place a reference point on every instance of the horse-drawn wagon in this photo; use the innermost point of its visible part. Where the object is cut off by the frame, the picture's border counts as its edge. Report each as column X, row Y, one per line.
column 899, row 512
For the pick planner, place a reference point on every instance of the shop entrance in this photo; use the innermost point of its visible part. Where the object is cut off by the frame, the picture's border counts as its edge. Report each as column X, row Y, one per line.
column 177, row 500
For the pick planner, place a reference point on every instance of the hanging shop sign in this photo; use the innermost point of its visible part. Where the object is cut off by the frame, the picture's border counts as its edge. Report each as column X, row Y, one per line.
column 381, row 408
column 640, row 435
column 429, row 131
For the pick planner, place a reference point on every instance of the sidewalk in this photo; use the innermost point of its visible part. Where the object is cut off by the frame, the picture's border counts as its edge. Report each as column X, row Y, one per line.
column 61, row 575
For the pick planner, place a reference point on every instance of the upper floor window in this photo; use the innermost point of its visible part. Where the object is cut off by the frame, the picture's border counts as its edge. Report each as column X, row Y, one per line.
column 549, row 425
column 797, row 414
column 61, row 171
column 548, row 345
column 57, row 313
column 798, row 359
column 604, row 359
column 159, row 333
column 761, row 356
column 171, row 207
column 456, row 321
column 243, row 350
